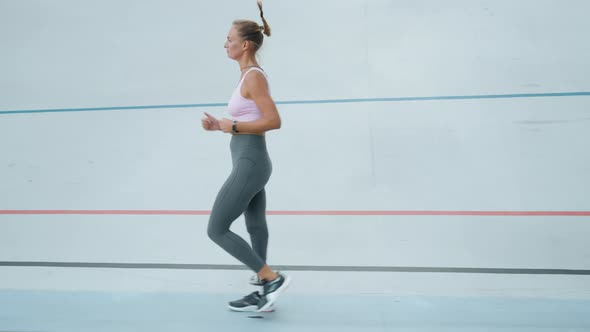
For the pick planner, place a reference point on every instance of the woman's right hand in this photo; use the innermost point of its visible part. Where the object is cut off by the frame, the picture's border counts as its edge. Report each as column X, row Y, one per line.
column 210, row 123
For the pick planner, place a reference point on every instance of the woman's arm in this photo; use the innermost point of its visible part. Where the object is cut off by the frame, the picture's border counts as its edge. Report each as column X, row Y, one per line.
column 255, row 87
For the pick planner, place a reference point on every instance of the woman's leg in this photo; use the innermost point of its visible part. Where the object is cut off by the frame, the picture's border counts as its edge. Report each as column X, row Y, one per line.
column 256, row 225
column 255, row 216
column 232, row 200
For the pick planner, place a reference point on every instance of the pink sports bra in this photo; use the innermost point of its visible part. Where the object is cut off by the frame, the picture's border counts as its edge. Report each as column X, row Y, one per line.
column 240, row 108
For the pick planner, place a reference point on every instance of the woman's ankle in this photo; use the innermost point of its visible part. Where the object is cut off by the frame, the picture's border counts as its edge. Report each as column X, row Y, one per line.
column 267, row 274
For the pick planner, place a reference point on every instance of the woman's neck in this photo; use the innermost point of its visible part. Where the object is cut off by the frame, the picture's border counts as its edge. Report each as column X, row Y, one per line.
column 246, row 63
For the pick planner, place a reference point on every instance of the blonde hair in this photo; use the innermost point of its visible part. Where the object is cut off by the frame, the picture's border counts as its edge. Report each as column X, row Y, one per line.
column 250, row 30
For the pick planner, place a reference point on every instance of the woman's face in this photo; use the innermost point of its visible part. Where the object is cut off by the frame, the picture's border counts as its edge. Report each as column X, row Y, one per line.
column 234, row 45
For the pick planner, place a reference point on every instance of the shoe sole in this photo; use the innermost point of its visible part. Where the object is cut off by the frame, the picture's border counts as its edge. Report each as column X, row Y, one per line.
column 271, row 298
column 251, row 308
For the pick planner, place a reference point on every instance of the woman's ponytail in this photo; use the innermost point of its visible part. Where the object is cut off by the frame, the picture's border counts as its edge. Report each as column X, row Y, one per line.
column 265, row 27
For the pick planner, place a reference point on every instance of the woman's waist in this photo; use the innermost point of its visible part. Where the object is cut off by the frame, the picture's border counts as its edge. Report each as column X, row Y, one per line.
column 248, row 142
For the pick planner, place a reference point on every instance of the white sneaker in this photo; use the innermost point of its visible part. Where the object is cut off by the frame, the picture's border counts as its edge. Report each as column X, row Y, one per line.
column 249, row 303
column 272, row 290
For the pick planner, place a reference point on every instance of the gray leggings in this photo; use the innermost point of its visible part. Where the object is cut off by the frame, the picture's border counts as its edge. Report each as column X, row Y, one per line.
column 243, row 192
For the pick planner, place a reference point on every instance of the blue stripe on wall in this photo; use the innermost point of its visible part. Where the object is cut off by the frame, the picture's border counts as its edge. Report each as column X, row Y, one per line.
column 304, row 102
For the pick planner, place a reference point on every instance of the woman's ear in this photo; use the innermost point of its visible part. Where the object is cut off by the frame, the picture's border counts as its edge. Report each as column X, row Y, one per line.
column 245, row 45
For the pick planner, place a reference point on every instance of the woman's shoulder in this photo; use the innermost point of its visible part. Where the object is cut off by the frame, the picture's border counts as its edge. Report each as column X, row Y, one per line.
column 255, row 72
column 255, row 77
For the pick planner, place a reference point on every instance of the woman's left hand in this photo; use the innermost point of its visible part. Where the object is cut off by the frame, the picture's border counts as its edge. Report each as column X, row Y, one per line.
column 225, row 125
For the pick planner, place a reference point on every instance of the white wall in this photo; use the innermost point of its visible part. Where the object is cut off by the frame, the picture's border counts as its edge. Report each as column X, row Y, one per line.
column 66, row 53
column 486, row 154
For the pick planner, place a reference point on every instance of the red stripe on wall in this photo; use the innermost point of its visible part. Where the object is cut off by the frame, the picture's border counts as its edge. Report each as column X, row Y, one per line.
column 306, row 213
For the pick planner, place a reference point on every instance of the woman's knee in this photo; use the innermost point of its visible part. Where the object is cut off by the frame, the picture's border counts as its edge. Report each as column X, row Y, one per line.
column 258, row 230
column 215, row 232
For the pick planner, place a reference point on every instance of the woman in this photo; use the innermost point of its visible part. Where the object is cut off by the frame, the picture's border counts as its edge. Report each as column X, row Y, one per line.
column 253, row 113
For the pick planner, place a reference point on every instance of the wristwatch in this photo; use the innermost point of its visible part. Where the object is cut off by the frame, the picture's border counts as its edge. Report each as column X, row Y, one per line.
column 233, row 127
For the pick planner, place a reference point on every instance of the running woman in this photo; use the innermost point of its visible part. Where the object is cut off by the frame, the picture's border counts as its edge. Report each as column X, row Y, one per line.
column 253, row 113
